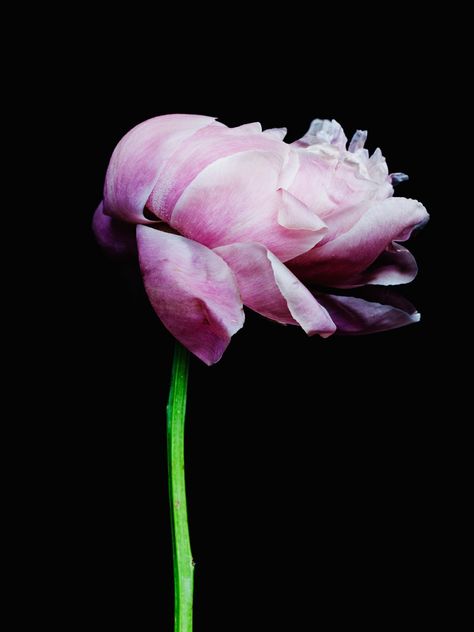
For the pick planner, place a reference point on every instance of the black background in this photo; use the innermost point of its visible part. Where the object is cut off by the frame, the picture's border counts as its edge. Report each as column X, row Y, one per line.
column 314, row 467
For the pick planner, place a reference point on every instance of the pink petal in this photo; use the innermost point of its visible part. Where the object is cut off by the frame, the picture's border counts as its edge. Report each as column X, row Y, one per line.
column 333, row 188
column 192, row 290
column 278, row 133
column 136, row 162
column 115, row 237
column 236, row 199
column 336, row 262
column 354, row 316
column 269, row 288
column 209, row 144
column 295, row 215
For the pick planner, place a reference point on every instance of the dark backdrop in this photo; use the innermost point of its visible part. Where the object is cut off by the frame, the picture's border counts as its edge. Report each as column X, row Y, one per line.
column 313, row 466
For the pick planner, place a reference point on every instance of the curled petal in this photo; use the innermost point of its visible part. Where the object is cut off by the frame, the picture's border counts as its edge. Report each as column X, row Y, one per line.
column 323, row 131
column 115, row 237
column 354, row 316
column 357, row 141
column 336, row 262
column 235, row 199
column 278, row 133
column 398, row 177
column 332, row 187
column 295, row 215
column 137, row 160
column 395, row 266
column 269, row 288
column 192, row 290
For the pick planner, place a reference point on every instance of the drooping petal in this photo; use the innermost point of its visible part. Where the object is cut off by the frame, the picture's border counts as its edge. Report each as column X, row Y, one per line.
column 192, row 290
column 336, row 262
column 116, row 237
column 354, row 316
column 236, row 199
column 269, row 288
column 137, row 160
column 395, row 266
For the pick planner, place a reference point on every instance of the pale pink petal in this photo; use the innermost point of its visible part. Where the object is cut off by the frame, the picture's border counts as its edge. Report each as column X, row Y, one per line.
column 336, row 262
column 333, row 187
column 323, row 131
column 269, row 288
column 237, row 199
column 136, row 162
column 116, row 237
column 192, row 290
column 295, row 215
column 203, row 148
column 278, row 133
column 354, row 316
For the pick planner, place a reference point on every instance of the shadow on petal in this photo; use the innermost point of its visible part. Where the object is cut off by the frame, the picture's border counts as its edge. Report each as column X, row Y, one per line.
column 373, row 309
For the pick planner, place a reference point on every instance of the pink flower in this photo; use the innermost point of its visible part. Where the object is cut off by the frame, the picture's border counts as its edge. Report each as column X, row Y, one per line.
column 225, row 217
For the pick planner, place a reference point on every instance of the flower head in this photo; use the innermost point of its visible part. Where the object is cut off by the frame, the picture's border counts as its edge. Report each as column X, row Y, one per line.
column 224, row 217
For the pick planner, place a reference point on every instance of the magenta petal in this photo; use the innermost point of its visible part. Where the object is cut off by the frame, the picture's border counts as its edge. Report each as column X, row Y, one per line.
column 337, row 261
column 395, row 266
column 268, row 287
column 192, row 290
column 137, row 160
column 115, row 237
column 354, row 316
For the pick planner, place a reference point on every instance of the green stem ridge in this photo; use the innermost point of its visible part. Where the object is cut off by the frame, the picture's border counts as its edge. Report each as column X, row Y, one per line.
column 183, row 565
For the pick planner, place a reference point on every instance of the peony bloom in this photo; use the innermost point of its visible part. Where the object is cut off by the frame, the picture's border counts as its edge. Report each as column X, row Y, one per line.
column 224, row 217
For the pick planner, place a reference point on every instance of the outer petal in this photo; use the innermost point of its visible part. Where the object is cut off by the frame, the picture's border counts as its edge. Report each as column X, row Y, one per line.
column 192, row 290
column 209, row 144
column 269, row 288
column 237, row 199
column 136, row 162
column 354, row 316
column 115, row 237
column 336, row 262
column 396, row 265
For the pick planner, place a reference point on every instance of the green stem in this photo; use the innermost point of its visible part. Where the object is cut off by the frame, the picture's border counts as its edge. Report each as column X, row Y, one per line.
column 183, row 564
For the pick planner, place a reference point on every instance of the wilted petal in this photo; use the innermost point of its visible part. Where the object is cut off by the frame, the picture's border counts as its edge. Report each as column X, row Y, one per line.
column 192, row 290
column 116, row 237
column 136, row 162
column 336, row 262
column 355, row 316
column 398, row 177
column 357, row 141
column 323, row 131
column 268, row 287
column 236, row 199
